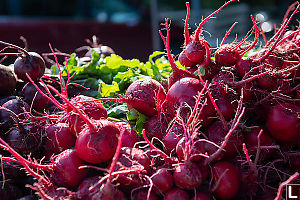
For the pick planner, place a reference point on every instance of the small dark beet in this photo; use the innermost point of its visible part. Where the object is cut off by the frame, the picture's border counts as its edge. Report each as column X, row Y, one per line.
column 283, row 122
column 24, row 139
column 33, row 96
column 8, row 81
column 29, row 197
column 83, row 189
column 12, row 111
column 32, row 64
column 227, row 56
column 184, row 61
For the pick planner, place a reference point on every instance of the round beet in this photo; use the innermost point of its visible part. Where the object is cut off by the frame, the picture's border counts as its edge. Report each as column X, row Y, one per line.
column 108, row 191
column 133, row 159
column 184, row 61
column 33, row 97
column 201, row 196
column 195, row 51
column 216, row 133
column 143, row 194
column 226, row 55
column 267, row 82
column 8, row 81
column 227, row 179
column 187, row 175
column 283, row 122
column 130, row 137
column 251, row 139
column 25, row 138
column 156, row 127
column 16, row 111
column 31, row 64
column 182, row 94
column 99, row 144
column 162, row 180
column 83, row 189
column 144, row 94
column 177, row 194
column 90, row 106
column 226, row 108
column 244, row 65
column 58, row 138
column 170, row 140
column 66, row 172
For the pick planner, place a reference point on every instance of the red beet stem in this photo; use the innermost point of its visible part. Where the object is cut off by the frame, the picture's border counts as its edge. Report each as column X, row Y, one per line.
column 81, row 114
column 15, row 47
column 60, row 76
column 228, row 32
column 197, row 32
column 283, row 184
column 117, row 154
column 166, row 43
column 186, row 24
column 255, row 39
column 160, row 152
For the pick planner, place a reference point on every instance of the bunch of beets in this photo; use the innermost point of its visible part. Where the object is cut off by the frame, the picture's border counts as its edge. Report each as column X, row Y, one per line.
column 225, row 127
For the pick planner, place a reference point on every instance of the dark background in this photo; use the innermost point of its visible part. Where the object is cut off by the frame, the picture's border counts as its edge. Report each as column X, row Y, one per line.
column 125, row 25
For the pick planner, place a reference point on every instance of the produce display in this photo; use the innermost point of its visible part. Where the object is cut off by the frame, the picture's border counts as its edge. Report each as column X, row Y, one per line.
column 215, row 124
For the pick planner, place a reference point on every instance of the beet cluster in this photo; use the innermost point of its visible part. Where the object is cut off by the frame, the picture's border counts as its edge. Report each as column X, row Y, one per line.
column 226, row 126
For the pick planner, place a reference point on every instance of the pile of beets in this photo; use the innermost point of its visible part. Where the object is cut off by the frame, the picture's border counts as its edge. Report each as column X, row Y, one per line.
column 225, row 127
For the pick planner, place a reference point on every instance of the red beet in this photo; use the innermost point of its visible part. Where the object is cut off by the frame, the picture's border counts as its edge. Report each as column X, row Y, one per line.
column 162, row 180
column 135, row 160
column 25, row 138
column 143, row 194
column 182, row 93
column 283, row 122
column 226, row 108
column 170, row 140
column 156, row 126
column 227, row 179
column 226, row 55
column 144, row 94
column 130, row 137
column 90, row 106
column 216, row 133
column 96, row 145
column 66, row 172
column 177, row 194
column 187, row 175
column 32, row 64
column 58, row 138
column 33, row 97
column 8, row 81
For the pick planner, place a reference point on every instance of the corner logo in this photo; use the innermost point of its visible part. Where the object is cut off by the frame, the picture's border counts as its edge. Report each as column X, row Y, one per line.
column 293, row 192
